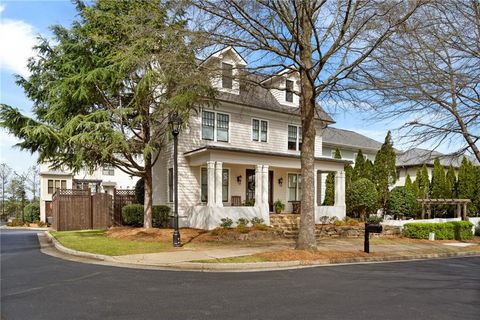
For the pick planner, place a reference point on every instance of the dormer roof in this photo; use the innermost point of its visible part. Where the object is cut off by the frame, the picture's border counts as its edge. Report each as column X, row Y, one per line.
column 227, row 50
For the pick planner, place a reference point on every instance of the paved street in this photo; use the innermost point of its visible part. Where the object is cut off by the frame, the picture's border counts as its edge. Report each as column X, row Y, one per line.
column 38, row 286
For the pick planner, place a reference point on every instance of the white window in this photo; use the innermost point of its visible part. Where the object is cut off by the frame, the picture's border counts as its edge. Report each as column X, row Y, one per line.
column 259, row 130
column 56, row 184
column 215, row 126
column 294, row 189
column 204, row 185
column 108, row 171
column 289, row 90
column 294, row 137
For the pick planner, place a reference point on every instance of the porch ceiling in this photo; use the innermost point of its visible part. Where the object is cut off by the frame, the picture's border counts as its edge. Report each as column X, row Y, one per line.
column 200, row 156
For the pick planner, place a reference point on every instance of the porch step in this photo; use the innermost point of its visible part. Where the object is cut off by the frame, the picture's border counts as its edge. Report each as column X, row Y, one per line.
column 288, row 223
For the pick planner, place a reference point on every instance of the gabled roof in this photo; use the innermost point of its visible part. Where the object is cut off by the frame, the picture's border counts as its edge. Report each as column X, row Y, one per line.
column 252, row 94
column 350, row 139
column 220, row 52
column 417, row 156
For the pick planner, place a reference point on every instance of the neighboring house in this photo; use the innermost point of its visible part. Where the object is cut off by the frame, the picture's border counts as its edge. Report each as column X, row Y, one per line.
column 104, row 179
column 244, row 147
column 409, row 161
column 348, row 142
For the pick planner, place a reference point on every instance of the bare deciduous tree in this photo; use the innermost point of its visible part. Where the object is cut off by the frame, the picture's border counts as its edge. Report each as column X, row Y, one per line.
column 5, row 172
column 429, row 75
column 324, row 41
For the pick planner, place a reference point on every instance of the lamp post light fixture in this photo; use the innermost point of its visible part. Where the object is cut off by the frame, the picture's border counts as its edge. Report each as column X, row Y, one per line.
column 175, row 122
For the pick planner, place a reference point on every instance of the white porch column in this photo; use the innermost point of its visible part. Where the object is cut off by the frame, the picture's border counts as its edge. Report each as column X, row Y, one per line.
column 211, row 183
column 340, row 188
column 265, row 184
column 218, row 184
column 258, row 185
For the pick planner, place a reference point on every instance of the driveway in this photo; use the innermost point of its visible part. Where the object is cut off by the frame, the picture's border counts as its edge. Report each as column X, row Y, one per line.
column 38, row 286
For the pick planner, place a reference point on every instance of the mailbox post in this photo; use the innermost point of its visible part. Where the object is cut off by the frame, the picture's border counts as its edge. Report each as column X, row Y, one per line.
column 370, row 228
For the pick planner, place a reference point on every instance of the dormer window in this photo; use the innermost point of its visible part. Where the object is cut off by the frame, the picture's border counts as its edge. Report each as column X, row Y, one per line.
column 289, row 90
column 227, row 75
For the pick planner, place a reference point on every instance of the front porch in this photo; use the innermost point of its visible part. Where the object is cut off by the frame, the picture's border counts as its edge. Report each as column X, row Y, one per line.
column 244, row 186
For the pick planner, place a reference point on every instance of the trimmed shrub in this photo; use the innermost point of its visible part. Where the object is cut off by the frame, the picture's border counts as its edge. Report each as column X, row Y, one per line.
column 454, row 230
column 140, row 191
column 16, row 223
column 242, row 222
column 256, row 221
column 161, row 216
column 226, row 223
column 132, row 215
column 363, row 197
column 477, row 229
column 31, row 212
column 401, row 202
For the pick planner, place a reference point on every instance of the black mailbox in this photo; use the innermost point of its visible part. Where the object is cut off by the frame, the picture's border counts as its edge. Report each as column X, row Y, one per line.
column 370, row 228
column 373, row 228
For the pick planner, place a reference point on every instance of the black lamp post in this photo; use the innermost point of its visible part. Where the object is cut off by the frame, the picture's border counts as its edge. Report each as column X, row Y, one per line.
column 175, row 122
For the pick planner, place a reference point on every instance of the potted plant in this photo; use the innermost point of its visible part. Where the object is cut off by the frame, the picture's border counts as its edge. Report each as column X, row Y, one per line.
column 278, row 206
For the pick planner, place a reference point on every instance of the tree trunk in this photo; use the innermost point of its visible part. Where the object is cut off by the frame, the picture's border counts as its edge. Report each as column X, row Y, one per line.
column 147, row 207
column 306, row 236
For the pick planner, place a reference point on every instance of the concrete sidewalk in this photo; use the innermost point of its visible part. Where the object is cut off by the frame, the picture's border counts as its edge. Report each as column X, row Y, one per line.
column 187, row 258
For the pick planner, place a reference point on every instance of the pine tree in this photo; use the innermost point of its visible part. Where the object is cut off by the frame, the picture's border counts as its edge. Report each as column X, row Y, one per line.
column 450, row 183
column 359, row 168
column 476, row 192
column 348, row 185
column 338, row 154
column 411, row 190
column 368, row 169
column 385, row 172
column 330, row 184
column 423, row 182
column 438, row 187
column 466, row 182
column 329, row 190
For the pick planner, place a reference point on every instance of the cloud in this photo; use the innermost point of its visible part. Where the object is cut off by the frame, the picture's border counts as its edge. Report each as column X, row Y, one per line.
column 2, row 8
column 17, row 39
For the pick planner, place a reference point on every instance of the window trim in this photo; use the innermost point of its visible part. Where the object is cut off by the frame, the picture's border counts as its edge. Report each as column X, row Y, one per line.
column 299, row 133
column 297, row 194
column 215, row 125
column 229, row 189
column 259, row 130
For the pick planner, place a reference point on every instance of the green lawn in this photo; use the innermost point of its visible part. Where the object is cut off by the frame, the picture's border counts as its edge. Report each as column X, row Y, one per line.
column 95, row 241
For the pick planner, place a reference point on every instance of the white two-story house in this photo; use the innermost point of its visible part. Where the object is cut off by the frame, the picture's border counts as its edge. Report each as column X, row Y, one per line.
column 243, row 148
column 104, row 179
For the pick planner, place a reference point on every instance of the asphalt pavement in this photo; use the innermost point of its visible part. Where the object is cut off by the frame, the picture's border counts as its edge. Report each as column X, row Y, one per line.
column 38, row 286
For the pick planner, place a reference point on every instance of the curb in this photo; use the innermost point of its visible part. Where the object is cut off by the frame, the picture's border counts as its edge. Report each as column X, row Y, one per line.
column 255, row 266
column 24, row 228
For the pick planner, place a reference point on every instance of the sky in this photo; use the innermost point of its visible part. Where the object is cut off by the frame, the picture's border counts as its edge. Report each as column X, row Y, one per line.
column 21, row 22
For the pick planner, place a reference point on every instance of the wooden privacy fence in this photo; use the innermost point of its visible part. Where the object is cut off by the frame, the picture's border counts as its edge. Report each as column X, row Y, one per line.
column 79, row 209
column 121, row 198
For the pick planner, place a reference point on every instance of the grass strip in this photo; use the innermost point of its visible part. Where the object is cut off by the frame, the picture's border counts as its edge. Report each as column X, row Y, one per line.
column 96, row 241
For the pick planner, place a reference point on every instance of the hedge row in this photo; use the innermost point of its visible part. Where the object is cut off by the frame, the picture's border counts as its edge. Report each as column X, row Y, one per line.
column 454, row 230
column 132, row 215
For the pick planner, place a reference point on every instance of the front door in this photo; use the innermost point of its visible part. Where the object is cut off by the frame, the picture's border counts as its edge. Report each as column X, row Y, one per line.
column 250, row 186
